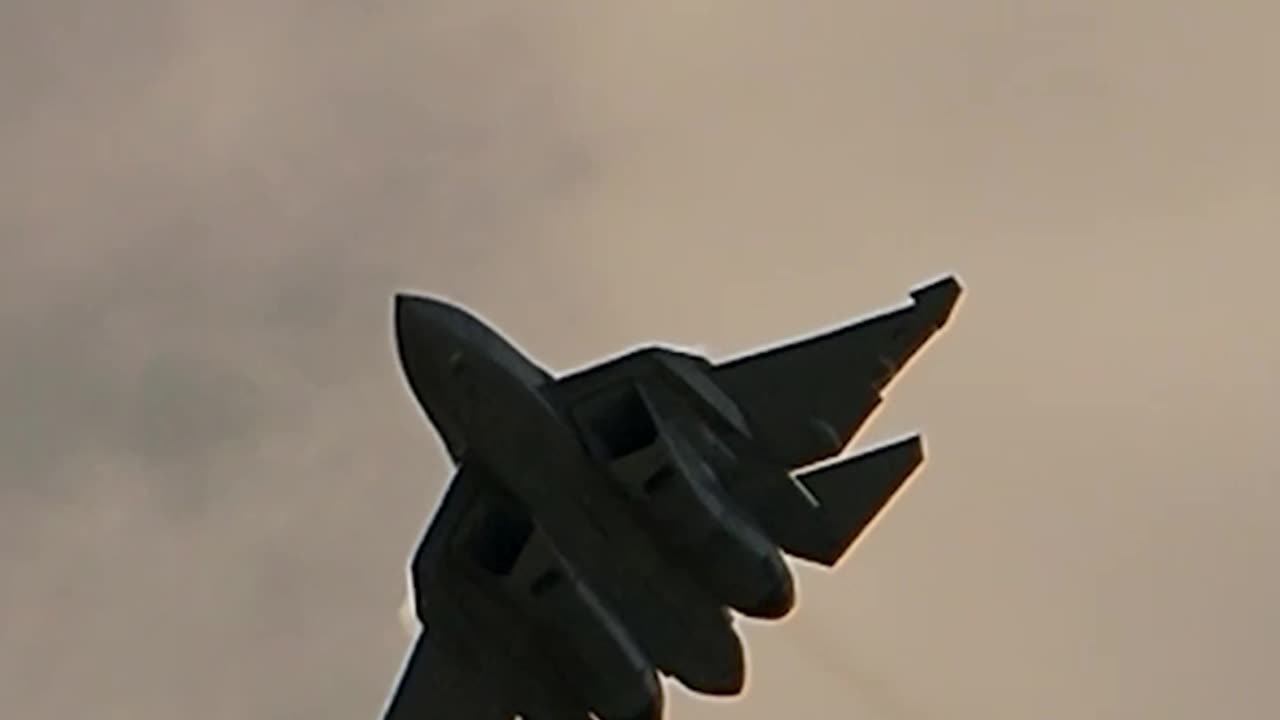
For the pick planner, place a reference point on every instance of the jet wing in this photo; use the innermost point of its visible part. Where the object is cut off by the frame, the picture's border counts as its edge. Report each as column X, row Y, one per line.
column 434, row 682
column 805, row 400
column 431, row 685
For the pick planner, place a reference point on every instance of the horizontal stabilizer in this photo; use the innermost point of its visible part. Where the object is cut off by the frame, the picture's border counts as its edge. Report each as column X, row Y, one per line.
column 852, row 493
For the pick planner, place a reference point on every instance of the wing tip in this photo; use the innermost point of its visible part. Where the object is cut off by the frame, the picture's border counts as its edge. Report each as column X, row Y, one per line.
column 939, row 297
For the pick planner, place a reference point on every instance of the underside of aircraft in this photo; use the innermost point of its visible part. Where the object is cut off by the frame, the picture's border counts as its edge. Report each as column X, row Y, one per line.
column 603, row 527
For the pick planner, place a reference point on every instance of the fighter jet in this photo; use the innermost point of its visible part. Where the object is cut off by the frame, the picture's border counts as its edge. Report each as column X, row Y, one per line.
column 601, row 524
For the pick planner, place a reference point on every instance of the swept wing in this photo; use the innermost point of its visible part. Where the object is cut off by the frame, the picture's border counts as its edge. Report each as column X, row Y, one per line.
column 805, row 400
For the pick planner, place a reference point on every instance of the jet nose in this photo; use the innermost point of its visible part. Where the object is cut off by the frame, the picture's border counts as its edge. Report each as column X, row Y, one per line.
column 430, row 348
column 402, row 304
column 407, row 315
column 428, row 332
column 412, row 333
column 414, row 313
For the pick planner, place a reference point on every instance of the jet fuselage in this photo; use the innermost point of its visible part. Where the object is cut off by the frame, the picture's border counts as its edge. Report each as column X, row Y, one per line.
column 487, row 400
column 600, row 525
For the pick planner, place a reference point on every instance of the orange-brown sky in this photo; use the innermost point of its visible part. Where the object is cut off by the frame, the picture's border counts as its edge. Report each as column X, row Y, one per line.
column 212, row 473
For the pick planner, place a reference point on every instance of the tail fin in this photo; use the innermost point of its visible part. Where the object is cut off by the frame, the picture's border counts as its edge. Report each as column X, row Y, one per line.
column 852, row 493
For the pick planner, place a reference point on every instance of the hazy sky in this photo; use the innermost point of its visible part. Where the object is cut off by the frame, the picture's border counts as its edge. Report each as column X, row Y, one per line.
column 212, row 473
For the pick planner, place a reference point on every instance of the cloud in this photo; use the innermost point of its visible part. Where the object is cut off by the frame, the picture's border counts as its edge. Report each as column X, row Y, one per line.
column 211, row 208
column 211, row 475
